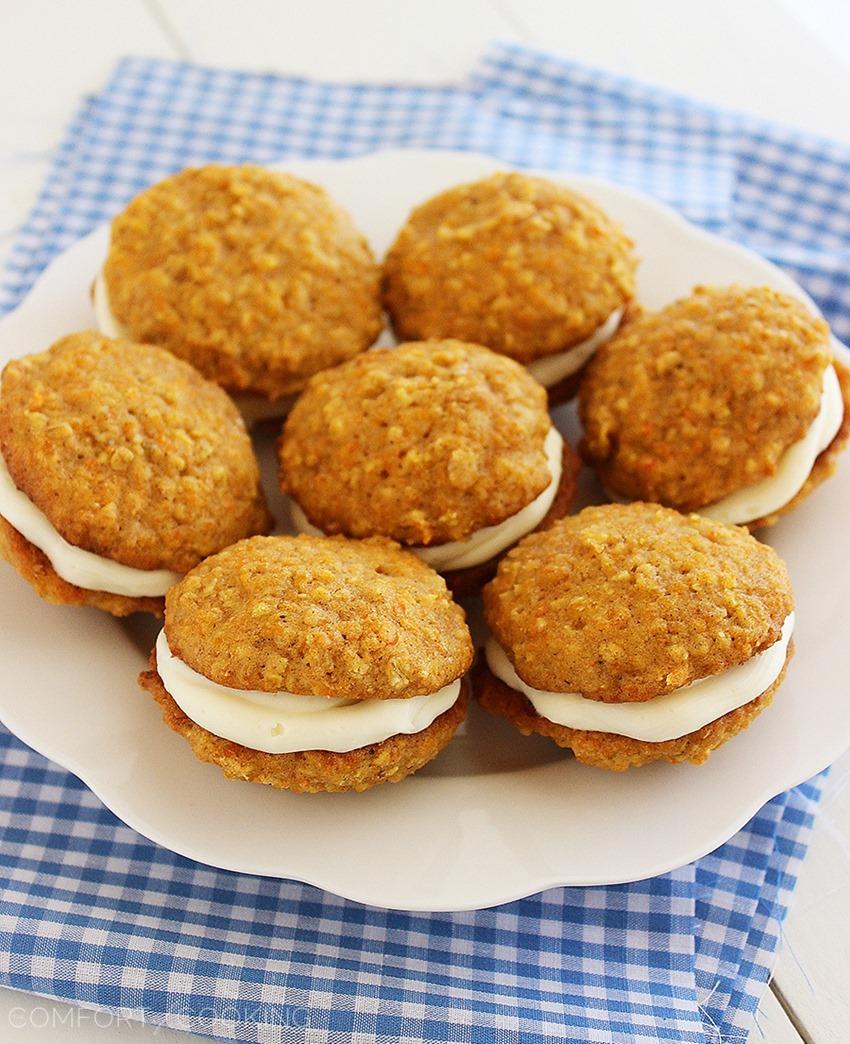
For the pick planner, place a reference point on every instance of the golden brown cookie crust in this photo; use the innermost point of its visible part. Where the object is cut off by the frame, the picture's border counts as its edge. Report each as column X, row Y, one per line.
column 686, row 405
column 425, row 443
column 626, row 602
column 609, row 750
column 825, row 463
column 463, row 582
column 129, row 452
column 34, row 567
column 521, row 264
column 312, row 771
column 319, row 616
column 257, row 278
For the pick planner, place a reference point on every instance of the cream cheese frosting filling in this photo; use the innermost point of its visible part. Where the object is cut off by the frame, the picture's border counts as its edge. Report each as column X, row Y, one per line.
column 489, row 541
column 253, row 407
column 795, row 466
column 81, row 568
column 666, row 717
column 550, row 369
column 284, row 723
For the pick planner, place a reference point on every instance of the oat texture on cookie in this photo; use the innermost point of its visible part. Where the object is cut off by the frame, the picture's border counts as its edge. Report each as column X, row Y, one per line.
column 319, row 616
column 257, row 278
column 521, row 264
column 129, row 452
column 628, row 602
column 691, row 403
column 426, row 443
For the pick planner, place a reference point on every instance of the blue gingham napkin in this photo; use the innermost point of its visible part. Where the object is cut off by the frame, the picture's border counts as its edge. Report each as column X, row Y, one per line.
column 94, row 913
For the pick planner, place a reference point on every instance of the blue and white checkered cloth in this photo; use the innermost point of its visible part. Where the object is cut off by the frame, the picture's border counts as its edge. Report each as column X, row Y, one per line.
column 94, row 913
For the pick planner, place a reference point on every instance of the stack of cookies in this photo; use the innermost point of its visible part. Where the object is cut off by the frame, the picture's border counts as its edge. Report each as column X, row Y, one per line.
column 651, row 627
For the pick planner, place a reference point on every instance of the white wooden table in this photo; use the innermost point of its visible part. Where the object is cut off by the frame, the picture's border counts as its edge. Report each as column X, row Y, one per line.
column 784, row 59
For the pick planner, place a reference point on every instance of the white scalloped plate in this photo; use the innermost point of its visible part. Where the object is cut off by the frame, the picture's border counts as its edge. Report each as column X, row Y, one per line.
column 496, row 816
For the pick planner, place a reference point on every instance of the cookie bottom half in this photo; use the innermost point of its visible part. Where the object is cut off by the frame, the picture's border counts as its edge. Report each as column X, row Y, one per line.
column 609, row 750
column 313, row 771
column 35, row 567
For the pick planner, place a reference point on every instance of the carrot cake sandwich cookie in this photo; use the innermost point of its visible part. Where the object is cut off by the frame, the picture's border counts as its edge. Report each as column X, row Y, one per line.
column 312, row 664
column 120, row 469
column 728, row 402
column 521, row 264
column 445, row 447
column 257, row 278
column 632, row 633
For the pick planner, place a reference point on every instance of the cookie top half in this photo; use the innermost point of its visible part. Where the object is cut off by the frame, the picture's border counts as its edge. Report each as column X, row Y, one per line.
column 690, row 403
column 257, row 278
column 625, row 603
column 319, row 616
column 129, row 452
column 426, row 443
column 521, row 264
